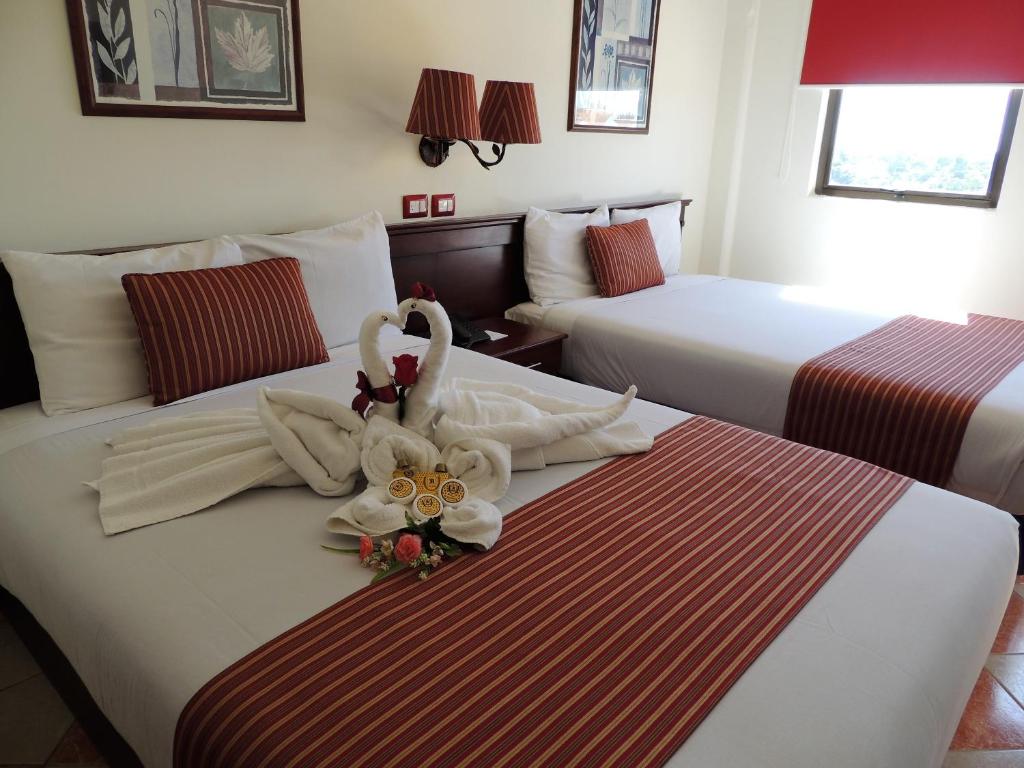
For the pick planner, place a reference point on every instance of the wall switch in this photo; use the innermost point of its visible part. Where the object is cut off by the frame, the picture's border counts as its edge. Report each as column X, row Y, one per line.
column 414, row 207
column 442, row 205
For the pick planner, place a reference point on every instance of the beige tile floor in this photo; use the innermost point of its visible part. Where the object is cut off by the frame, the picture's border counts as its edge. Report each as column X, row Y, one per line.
column 36, row 729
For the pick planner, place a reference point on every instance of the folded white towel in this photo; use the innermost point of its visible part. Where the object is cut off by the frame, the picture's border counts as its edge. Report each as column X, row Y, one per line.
column 540, row 429
column 176, row 466
column 388, row 446
column 483, row 465
column 317, row 437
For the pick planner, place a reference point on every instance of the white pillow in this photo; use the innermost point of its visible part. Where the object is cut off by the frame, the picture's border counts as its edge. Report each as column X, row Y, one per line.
column 80, row 326
column 346, row 269
column 555, row 254
column 665, row 227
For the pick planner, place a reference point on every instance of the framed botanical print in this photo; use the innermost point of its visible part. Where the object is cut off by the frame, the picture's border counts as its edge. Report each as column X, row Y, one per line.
column 230, row 59
column 612, row 71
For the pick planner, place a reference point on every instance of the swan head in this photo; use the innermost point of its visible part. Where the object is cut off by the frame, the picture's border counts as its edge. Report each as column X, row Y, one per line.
column 383, row 317
column 409, row 306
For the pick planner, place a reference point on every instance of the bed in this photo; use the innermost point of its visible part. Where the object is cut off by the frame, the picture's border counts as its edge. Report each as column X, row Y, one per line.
column 874, row 671
column 703, row 343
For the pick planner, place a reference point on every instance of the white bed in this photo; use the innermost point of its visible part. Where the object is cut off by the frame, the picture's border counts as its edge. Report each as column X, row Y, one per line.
column 730, row 348
column 875, row 670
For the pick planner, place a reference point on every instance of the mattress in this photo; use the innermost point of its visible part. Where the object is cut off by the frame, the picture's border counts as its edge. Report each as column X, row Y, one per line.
column 730, row 348
column 874, row 671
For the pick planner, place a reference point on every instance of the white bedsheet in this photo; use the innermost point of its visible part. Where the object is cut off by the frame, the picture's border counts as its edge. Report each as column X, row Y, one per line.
column 730, row 349
column 873, row 672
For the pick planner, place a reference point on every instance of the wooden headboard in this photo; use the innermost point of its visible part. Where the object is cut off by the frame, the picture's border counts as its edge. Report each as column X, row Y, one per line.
column 474, row 264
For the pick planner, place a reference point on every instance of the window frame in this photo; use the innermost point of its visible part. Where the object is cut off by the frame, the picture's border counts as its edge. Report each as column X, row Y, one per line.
column 988, row 200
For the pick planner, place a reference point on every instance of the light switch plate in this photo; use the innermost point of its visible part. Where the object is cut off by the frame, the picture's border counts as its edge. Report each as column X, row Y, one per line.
column 414, row 207
column 442, row 205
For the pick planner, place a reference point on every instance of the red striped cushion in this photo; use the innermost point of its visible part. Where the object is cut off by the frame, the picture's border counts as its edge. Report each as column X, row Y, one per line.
column 207, row 328
column 624, row 258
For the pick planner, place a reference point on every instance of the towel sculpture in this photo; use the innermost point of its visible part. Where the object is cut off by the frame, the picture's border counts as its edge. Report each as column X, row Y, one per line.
column 480, row 431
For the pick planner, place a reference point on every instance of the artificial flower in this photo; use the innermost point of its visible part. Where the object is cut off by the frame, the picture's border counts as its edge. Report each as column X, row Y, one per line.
column 405, row 369
column 365, row 547
column 423, row 291
column 408, row 548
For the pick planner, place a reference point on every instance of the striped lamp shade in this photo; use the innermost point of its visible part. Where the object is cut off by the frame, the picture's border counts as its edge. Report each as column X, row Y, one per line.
column 445, row 106
column 508, row 113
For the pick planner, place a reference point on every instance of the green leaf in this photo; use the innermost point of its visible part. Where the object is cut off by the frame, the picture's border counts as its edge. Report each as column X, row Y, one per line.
column 381, row 575
column 339, row 549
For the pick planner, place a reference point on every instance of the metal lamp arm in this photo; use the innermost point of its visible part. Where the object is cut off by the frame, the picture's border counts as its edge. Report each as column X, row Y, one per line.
column 498, row 150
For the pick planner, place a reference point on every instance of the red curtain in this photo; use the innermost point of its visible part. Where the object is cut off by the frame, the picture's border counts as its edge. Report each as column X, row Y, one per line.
column 863, row 42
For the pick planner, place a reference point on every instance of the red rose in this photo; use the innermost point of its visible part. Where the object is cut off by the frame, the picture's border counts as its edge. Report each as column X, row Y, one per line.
column 365, row 547
column 405, row 370
column 408, row 548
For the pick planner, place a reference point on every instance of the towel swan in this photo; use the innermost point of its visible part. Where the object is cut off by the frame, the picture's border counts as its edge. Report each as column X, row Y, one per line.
column 376, row 368
column 421, row 402
column 540, row 429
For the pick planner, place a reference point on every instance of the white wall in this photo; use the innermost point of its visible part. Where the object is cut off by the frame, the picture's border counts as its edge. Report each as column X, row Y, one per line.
column 70, row 181
column 782, row 232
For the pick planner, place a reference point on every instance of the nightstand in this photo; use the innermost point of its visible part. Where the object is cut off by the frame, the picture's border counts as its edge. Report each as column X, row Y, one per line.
column 525, row 345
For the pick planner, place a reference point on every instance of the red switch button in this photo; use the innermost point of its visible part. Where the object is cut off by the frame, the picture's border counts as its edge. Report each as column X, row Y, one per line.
column 414, row 207
column 442, row 205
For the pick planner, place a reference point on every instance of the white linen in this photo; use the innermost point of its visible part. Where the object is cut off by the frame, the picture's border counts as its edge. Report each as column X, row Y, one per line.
column 730, row 348
column 175, row 466
column 80, row 327
column 540, row 429
column 26, row 422
column 874, row 671
column 484, row 466
column 666, row 229
column 346, row 269
column 555, row 256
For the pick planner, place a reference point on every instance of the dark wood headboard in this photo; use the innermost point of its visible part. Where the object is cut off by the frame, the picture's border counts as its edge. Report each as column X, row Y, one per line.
column 474, row 264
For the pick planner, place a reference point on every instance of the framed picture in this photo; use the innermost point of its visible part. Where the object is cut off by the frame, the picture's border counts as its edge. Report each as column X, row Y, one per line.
column 612, row 73
column 227, row 59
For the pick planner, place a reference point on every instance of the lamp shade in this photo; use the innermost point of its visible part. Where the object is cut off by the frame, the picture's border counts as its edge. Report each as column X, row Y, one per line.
column 508, row 113
column 445, row 106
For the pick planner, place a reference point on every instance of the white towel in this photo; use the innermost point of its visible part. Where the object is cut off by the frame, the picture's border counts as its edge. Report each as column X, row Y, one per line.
column 317, row 437
column 483, row 465
column 540, row 429
column 176, row 466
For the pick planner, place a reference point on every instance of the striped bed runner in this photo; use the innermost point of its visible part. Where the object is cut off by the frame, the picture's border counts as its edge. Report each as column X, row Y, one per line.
column 901, row 396
column 612, row 616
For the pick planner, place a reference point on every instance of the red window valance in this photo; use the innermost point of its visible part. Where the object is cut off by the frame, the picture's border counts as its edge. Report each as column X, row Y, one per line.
column 871, row 42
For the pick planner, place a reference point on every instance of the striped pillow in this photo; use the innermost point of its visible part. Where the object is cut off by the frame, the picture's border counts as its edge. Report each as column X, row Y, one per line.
column 624, row 258
column 207, row 328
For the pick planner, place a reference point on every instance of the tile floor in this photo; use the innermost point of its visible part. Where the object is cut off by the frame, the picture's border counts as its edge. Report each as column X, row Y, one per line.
column 36, row 729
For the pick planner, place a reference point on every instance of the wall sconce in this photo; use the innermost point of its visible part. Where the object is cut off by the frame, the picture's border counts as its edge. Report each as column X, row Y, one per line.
column 444, row 111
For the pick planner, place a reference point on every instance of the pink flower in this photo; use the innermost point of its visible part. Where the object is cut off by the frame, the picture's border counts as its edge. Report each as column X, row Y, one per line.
column 365, row 547
column 405, row 370
column 408, row 548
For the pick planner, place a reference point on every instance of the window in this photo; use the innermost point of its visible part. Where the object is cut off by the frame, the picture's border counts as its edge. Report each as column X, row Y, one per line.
column 932, row 144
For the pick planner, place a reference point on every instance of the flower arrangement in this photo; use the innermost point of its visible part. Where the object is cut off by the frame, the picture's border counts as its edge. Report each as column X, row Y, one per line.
column 406, row 373
column 418, row 547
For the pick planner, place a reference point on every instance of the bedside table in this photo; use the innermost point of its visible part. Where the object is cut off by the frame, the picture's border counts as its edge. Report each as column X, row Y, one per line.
column 525, row 345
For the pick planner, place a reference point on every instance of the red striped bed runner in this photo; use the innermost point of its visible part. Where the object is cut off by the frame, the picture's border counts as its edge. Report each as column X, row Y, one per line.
column 901, row 396
column 612, row 616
